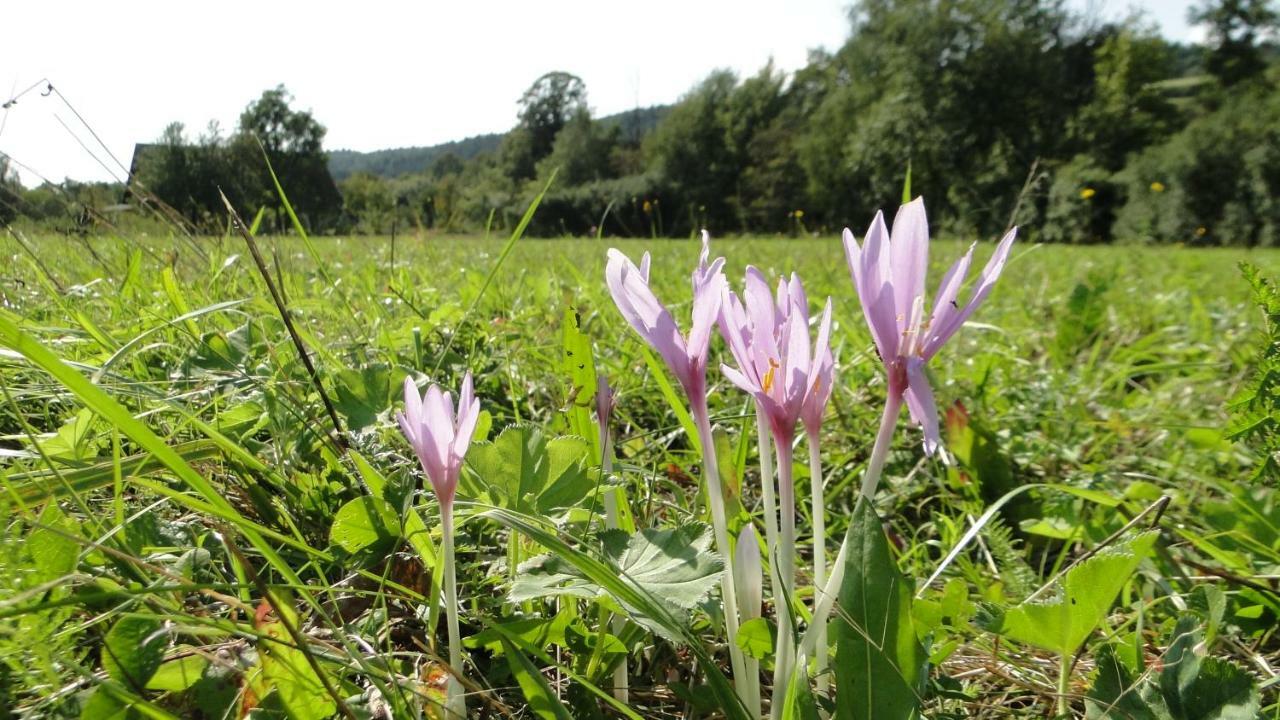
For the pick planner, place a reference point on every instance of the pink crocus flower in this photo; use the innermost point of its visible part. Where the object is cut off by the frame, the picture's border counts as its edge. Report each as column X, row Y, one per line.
column 820, row 387
column 768, row 336
column 889, row 274
column 439, row 436
column 685, row 356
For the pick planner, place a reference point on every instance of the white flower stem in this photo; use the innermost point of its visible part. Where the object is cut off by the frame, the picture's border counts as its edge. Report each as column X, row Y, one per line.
column 818, row 507
column 830, row 592
column 455, row 700
column 764, row 444
column 715, row 499
column 784, row 653
column 621, row 683
column 884, row 439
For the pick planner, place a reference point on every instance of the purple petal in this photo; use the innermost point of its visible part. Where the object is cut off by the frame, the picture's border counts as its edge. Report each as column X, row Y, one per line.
column 643, row 312
column 467, row 393
column 820, row 387
column 762, row 312
column 745, row 383
column 437, row 423
column 874, row 295
column 468, row 415
column 946, row 304
column 921, row 404
column 909, row 254
column 986, row 281
column 706, row 308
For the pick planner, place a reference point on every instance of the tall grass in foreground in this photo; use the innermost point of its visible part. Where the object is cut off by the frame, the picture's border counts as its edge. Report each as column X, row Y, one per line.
column 185, row 542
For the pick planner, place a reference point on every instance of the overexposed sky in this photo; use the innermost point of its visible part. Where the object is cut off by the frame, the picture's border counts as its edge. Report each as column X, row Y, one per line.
column 376, row 73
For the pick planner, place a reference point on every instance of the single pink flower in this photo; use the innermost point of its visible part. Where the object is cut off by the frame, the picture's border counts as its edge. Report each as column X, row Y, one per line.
column 685, row 356
column 768, row 335
column 440, row 437
column 889, row 274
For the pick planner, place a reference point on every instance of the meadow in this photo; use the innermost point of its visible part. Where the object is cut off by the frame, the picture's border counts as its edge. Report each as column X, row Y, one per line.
column 186, row 534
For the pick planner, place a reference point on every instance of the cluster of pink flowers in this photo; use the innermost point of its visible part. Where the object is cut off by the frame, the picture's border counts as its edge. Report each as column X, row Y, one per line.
column 791, row 380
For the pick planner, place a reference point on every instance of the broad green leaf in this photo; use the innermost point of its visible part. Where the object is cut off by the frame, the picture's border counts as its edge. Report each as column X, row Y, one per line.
column 675, row 565
column 1204, row 688
column 133, row 650
column 366, row 393
column 756, row 638
column 627, row 594
column 521, row 470
column 1114, row 693
column 880, row 665
column 537, row 691
column 365, row 523
column 284, row 669
column 52, row 553
column 1084, row 596
column 178, row 674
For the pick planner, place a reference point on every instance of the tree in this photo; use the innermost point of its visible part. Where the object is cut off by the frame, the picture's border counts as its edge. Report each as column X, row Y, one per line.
column 547, row 106
column 293, row 142
column 582, row 151
column 10, row 191
column 1234, row 30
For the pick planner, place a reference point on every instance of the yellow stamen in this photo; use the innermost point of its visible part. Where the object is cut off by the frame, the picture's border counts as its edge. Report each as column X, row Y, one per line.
column 768, row 376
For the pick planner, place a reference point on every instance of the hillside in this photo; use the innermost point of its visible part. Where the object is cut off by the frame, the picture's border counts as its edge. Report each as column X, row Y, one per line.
column 395, row 162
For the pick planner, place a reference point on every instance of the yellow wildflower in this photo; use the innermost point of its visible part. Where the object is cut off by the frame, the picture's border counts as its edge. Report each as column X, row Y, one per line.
column 1157, row 186
column 1087, row 193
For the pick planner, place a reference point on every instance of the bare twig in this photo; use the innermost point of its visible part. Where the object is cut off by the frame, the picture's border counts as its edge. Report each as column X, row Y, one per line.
column 339, row 437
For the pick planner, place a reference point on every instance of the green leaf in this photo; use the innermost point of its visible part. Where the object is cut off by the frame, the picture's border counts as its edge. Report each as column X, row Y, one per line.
column 53, row 554
column 521, row 470
column 537, row 691
column 880, row 665
column 284, row 669
column 1204, row 688
column 580, row 371
column 1085, row 595
column 366, row 393
column 178, row 674
column 756, row 638
column 1114, row 693
column 133, row 650
column 675, row 565
column 799, row 702
column 365, row 523
column 627, row 594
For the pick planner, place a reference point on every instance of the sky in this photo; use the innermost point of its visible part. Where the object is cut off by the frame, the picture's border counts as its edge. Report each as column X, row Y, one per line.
column 379, row 74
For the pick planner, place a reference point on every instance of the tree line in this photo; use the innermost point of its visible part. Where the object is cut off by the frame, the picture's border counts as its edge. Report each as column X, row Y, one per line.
column 1001, row 110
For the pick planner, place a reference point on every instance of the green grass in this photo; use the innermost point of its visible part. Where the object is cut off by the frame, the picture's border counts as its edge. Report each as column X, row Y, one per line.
column 169, row 470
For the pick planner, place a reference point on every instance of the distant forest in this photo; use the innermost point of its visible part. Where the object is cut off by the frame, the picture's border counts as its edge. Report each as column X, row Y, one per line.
column 396, row 162
column 1003, row 111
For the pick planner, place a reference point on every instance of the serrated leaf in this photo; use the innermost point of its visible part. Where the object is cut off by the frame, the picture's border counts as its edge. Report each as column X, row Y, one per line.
column 365, row 393
column 1085, row 595
column 1204, row 688
column 365, row 523
column 1114, row 694
column 133, row 650
column 880, row 665
column 523, row 471
column 675, row 565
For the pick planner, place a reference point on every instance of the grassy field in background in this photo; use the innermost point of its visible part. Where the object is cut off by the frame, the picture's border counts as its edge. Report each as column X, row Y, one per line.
column 1105, row 369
